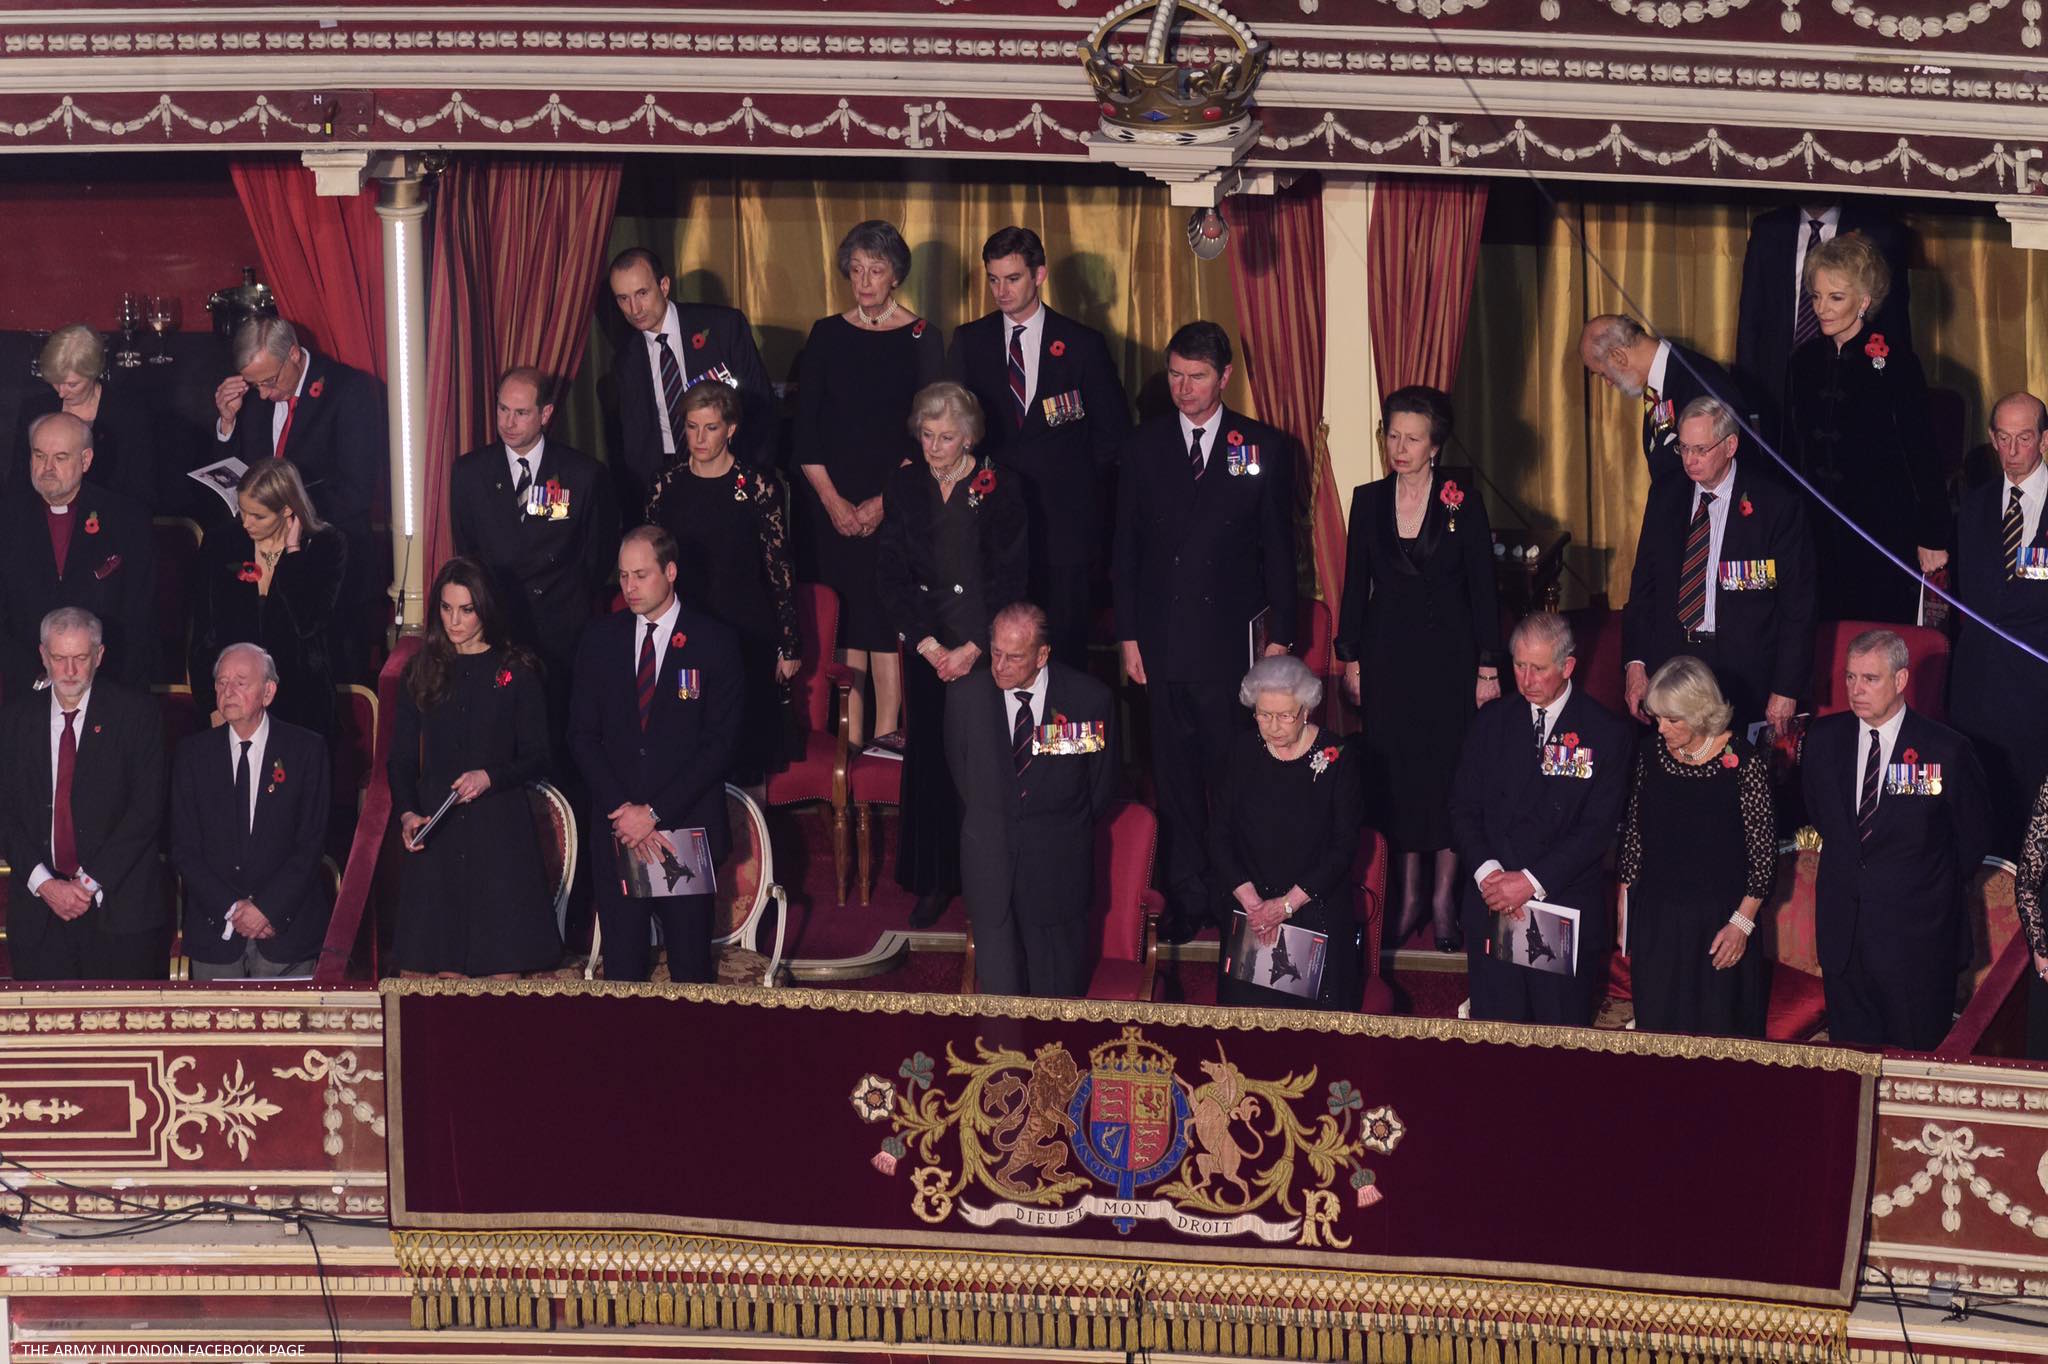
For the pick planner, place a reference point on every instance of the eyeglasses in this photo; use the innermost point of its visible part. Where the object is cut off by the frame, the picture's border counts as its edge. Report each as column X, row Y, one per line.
column 1285, row 717
column 1695, row 451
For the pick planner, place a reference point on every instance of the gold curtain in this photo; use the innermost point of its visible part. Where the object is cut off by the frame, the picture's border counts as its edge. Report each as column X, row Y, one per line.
column 1117, row 257
column 1567, row 449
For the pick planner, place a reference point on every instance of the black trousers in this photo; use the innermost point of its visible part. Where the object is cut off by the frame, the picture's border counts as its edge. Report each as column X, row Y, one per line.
column 1889, row 1004
column 1505, row 993
column 1063, row 592
column 1193, row 726
column 83, row 949
column 685, row 930
column 1017, row 951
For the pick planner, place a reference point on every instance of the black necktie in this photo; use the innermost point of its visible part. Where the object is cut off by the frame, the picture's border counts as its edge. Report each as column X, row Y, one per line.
column 2015, row 525
column 1806, row 326
column 643, row 684
column 242, row 819
column 1020, row 734
column 1542, row 727
column 524, row 481
column 1195, row 451
column 1866, row 805
column 671, row 391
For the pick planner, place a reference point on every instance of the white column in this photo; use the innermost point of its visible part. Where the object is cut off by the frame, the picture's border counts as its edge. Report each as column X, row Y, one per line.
column 402, row 207
column 1351, row 392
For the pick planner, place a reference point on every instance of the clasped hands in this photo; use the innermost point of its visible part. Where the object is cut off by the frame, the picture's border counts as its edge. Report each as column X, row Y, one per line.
column 67, row 897
column 1266, row 916
column 249, row 921
column 1505, row 892
column 466, row 787
column 633, row 826
column 952, row 664
column 855, row 519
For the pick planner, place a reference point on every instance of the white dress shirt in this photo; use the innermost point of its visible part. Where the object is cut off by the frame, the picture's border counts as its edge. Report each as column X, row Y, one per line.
column 1830, row 224
column 1037, row 690
column 2033, row 490
column 532, row 457
column 1549, row 714
column 1887, row 744
column 280, row 409
column 1034, row 340
column 1212, row 431
column 672, row 328
column 257, row 742
column 1717, row 523
column 42, row 871
column 664, row 626
column 1660, row 365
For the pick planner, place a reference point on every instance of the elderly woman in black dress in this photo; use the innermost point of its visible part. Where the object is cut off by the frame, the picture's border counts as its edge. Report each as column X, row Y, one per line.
column 472, row 719
column 1281, row 843
column 859, row 371
column 74, row 365
column 1859, row 428
column 1698, row 856
column 732, row 562
column 1419, row 635
column 272, row 578
column 953, row 553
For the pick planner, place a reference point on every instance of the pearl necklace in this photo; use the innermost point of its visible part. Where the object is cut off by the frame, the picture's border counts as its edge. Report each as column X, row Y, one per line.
column 879, row 318
column 947, row 478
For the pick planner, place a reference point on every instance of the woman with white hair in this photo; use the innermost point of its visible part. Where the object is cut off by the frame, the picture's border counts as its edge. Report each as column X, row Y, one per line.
column 1283, row 835
column 73, row 364
column 1698, row 856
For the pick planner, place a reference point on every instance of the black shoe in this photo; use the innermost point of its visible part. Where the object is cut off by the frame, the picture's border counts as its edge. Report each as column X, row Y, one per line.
column 929, row 910
column 1448, row 945
column 1176, row 929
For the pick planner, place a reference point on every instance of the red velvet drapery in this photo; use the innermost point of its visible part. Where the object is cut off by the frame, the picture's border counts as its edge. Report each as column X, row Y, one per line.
column 1276, row 275
column 1422, row 250
column 518, row 252
column 322, row 257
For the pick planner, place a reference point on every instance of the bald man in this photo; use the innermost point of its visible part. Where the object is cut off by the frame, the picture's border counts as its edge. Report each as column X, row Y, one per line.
column 2000, row 571
column 74, row 544
column 1639, row 364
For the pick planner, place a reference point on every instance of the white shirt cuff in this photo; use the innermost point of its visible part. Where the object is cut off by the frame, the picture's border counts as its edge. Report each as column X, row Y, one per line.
column 1486, row 869
column 38, row 876
column 222, row 436
column 1536, row 885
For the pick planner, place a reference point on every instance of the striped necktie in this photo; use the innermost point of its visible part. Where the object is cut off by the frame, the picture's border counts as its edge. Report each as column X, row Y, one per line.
column 1020, row 735
column 671, row 391
column 1692, row 578
column 2015, row 526
column 1866, row 803
column 1019, row 393
column 1805, row 325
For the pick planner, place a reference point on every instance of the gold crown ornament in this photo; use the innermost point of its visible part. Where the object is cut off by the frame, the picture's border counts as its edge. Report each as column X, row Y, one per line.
column 1155, row 99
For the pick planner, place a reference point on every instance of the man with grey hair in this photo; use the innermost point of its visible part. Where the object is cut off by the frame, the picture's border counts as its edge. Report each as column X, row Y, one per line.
column 74, row 543
column 1032, row 747
column 1724, row 572
column 81, row 807
column 248, row 817
column 1639, row 364
column 1534, row 806
column 1904, row 822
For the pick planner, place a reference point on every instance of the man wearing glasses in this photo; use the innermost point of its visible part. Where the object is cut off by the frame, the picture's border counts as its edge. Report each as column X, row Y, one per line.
column 328, row 419
column 1724, row 572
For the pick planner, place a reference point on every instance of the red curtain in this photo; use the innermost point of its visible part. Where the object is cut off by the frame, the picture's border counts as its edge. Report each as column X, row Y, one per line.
column 1421, row 252
column 1276, row 275
column 322, row 257
column 518, row 254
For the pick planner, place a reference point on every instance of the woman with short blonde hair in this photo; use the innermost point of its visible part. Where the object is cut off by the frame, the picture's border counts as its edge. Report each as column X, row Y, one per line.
column 73, row 362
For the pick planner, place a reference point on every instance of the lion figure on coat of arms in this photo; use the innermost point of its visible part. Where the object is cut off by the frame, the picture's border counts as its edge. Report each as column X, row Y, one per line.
column 1034, row 1124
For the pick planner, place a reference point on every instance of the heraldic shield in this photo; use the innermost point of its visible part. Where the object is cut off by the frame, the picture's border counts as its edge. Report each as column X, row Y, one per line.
column 1131, row 1117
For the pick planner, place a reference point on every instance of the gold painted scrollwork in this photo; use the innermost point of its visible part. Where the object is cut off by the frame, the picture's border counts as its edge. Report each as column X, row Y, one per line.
column 234, row 1111
column 342, row 1073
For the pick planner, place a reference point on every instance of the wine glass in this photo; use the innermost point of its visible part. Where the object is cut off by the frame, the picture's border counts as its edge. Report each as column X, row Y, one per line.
column 133, row 306
column 163, row 319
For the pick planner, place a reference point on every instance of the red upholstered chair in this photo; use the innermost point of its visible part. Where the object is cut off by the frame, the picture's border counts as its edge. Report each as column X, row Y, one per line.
column 746, row 887
column 177, row 553
column 180, row 714
column 870, row 781
column 820, row 688
column 1927, row 689
column 1993, row 907
column 1598, row 633
column 554, row 828
column 352, row 751
column 1369, row 896
column 1126, row 909
column 1798, row 1007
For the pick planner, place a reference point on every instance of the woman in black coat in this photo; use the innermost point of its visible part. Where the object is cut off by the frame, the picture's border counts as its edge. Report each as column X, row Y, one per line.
column 953, row 553
column 1859, row 428
column 472, row 718
column 271, row 578
column 74, row 365
column 1419, row 636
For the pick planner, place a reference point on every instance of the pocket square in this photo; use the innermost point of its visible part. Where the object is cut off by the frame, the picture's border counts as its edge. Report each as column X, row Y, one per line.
column 108, row 567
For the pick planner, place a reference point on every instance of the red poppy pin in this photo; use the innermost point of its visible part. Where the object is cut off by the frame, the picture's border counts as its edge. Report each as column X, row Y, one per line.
column 95, row 729
column 1747, row 508
column 1330, row 754
column 316, row 388
column 92, row 523
column 1570, row 738
column 1056, row 349
column 1058, row 718
column 504, row 678
column 1235, row 438
column 917, row 328
column 1876, row 349
column 276, row 773
column 1730, row 760
column 248, row 573
column 985, row 481
column 740, row 481
column 1452, row 496
column 554, row 488
column 697, row 340
column 1911, row 755
column 679, row 641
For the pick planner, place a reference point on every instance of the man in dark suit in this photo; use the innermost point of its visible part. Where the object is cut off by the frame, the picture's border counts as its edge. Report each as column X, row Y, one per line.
column 81, row 807
column 541, row 516
column 2000, row 571
column 1056, row 414
column 1665, row 376
column 653, row 724
column 1904, row 821
column 1204, row 547
column 1776, row 318
column 248, row 815
column 1725, row 572
column 671, row 347
column 74, row 544
column 1534, row 807
column 330, row 421
column 1034, row 758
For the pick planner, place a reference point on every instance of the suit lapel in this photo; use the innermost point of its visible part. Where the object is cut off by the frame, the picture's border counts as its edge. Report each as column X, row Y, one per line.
column 1433, row 517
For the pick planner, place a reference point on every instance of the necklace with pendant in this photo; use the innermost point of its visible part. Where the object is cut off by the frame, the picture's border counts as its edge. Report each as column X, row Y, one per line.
column 879, row 318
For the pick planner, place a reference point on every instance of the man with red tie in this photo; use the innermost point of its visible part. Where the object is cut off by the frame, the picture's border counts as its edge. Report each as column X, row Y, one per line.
column 654, row 719
column 81, row 804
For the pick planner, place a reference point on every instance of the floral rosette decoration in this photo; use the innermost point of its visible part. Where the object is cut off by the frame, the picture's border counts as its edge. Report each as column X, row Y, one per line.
column 1876, row 349
column 1320, row 760
column 1452, row 497
column 982, row 485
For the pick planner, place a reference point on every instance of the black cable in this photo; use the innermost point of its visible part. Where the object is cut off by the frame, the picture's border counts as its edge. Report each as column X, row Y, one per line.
column 1898, row 1305
column 326, row 1298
